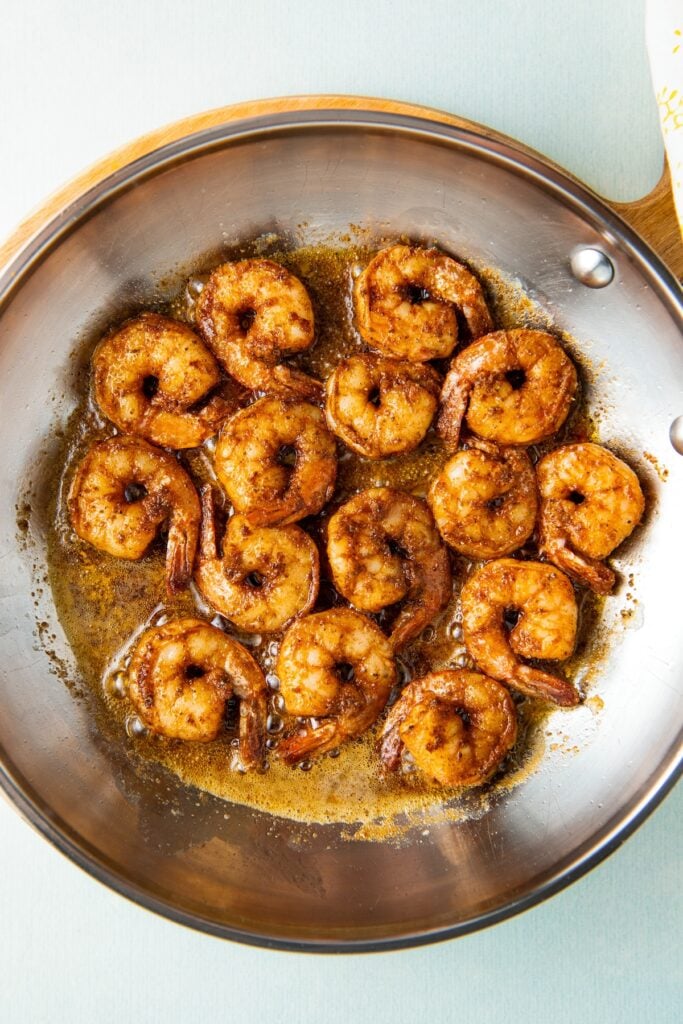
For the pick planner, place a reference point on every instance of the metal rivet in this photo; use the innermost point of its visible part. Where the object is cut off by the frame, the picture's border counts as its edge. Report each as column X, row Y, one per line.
column 591, row 267
column 676, row 434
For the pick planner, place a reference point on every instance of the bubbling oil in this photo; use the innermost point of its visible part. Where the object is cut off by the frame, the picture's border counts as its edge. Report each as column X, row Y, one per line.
column 104, row 604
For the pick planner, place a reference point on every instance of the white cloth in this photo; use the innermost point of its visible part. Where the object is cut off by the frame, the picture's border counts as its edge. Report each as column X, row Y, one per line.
column 664, row 32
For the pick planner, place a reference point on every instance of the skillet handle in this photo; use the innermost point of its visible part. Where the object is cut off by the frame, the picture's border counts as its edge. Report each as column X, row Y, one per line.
column 653, row 216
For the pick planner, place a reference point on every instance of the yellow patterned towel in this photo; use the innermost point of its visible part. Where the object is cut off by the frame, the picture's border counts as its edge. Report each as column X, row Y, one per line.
column 664, row 27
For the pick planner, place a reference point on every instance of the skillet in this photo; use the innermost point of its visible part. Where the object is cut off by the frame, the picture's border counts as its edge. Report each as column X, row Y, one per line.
column 113, row 239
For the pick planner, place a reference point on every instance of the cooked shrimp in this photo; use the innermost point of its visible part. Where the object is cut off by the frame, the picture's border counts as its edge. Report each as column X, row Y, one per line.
column 513, row 387
column 153, row 377
column 406, row 301
column 590, row 502
column 484, row 500
column 181, row 676
column 383, row 547
column 380, row 406
column 266, row 577
column 539, row 600
column 277, row 461
column 457, row 725
column 253, row 314
column 336, row 668
column 123, row 491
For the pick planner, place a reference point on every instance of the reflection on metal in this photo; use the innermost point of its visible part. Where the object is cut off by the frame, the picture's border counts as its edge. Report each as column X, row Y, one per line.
column 676, row 434
column 591, row 267
column 225, row 868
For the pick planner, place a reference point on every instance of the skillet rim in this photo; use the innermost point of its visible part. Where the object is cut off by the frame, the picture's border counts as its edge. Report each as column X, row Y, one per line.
column 562, row 187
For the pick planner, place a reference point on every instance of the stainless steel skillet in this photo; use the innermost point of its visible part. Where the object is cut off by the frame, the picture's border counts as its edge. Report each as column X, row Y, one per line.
column 274, row 882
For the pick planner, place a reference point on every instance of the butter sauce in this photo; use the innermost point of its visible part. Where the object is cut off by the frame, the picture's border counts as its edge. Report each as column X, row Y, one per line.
column 104, row 604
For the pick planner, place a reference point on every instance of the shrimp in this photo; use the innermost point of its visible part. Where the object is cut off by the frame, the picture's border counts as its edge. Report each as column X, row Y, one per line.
column 277, row 461
column 539, row 600
column 513, row 387
column 266, row 577
column 484, row 500
column 406, row 301
column 457, row 725
column 337, row 667
column 153, row 377
column 182, row 674
column 383, row 547
column 590, row 502
column 123, row 491
column 379, row 406
column 253, row 314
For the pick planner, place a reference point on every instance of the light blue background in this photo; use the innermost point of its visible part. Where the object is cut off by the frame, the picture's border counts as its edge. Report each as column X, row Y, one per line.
column 78, row 79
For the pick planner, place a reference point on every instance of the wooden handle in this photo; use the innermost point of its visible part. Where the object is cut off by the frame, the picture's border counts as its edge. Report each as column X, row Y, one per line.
column 653, row 216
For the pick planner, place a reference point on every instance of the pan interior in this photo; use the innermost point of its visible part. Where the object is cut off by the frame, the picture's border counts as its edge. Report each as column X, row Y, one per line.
column 239, row 872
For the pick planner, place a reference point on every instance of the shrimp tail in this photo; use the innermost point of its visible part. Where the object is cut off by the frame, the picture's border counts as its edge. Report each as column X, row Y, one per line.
column 596, row 575
column 409, row 623
column 391, row 746
column 284, row 511
column 430, row 591
column 311, row 741
column 290, row 382
column 249, row 686
column 253, row 714
column 458, row 285
column 208, row 550
column 180, row 554
column 535, row 683
column 477, row 318
column 278, row 513
column 454, row 398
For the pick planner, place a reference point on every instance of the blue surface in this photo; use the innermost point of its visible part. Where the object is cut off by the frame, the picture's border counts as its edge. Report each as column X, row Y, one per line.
column 606, row 950
column 569, row 79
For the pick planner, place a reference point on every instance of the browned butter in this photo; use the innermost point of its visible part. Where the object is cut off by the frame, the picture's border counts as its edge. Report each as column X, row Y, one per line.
column 104, row 603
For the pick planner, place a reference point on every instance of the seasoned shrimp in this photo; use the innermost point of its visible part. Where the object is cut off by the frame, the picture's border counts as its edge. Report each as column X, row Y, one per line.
column 380, row 406
column 513, row 387
column 266, row 576
column 181, row 676
column 277, row 461
column 383, row 547
column 590, row 502
column 539, row 600
column 457, row 725
column 337, row 668
column 153, row 377
column 406, row 301
column 253, row 314
column 484, row 500
column 123, row 491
